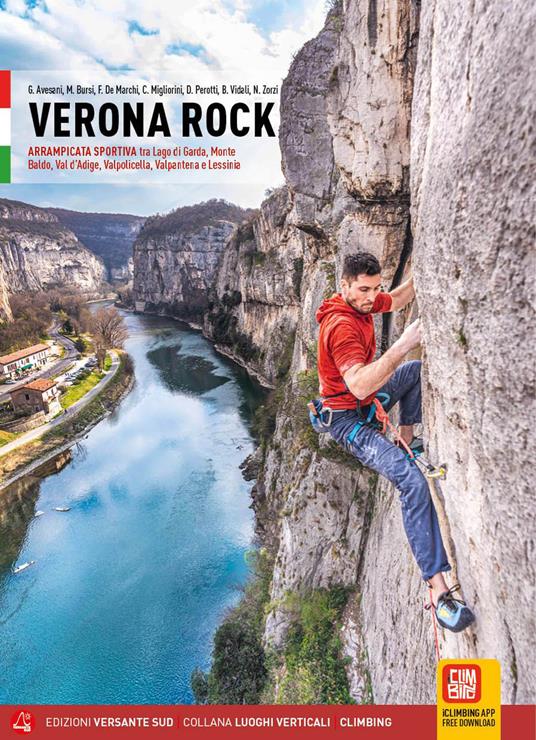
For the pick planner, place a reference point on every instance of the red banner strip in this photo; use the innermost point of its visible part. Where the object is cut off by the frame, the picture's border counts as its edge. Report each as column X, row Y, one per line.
column 247, row 722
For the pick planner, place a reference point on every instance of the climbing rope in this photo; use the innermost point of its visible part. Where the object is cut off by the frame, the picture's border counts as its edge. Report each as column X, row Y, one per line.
column 431, row 471
column 383, row 419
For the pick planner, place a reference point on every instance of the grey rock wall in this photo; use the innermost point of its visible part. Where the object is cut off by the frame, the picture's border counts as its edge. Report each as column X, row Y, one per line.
column 423, row 160
column 473, row 195
column 37, row 252
column 176, row 257
column 348, row 124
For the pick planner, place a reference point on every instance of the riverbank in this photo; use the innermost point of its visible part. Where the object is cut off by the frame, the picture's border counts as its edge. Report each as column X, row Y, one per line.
column 264, row 382
column 23, row 459
column 158, row 515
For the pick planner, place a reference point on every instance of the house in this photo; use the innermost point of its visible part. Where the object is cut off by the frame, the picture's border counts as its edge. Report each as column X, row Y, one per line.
column 39, row 395
column 17, row 362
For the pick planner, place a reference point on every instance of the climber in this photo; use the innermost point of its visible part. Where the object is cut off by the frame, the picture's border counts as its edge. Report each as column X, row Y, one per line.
column 350, row 379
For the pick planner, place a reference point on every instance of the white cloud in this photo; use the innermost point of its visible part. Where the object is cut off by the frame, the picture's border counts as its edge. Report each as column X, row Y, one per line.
column 99, row 30
column 200, row 41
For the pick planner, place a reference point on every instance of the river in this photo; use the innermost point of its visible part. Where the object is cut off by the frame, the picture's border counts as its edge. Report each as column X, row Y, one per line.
column 130, row 585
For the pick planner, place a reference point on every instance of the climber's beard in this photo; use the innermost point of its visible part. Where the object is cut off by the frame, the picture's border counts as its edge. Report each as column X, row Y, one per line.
column 364, row 308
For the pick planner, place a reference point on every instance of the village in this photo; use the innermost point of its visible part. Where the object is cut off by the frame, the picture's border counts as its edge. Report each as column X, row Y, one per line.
column 43, row 382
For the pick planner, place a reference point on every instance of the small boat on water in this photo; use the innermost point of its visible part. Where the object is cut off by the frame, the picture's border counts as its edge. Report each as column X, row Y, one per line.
column 23, row 566
column 62, row 508
column 39, row 513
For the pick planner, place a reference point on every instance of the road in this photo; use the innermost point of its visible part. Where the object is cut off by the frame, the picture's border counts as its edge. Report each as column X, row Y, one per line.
column 74, row 409
column 56, row 369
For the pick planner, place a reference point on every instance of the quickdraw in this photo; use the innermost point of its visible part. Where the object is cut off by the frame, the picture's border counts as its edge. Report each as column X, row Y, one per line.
column 383, row 423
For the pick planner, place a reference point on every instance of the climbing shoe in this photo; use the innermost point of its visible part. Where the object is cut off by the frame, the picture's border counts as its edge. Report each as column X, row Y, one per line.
column 452, row 614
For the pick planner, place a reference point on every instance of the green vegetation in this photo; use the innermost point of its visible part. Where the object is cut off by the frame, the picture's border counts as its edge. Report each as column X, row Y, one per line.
column 6, row 437
column 79, row 388
column 461, row 338
column 102, row 402
column 107, row 362
column 80, row 344
column 263, row 425
column 285, row 357
column 238, row 671
column 255, row 259
column 265, row 415
column 232, row 299
column 331, row 283
column 296, row 398
column 189, row 219
column 315, row 671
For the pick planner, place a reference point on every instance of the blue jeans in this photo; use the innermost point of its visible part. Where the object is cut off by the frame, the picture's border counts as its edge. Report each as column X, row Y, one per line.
column 375, row 451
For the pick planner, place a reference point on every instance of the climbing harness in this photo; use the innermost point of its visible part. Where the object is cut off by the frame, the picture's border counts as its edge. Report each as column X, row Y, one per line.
column 378, row 418
column 382, row 423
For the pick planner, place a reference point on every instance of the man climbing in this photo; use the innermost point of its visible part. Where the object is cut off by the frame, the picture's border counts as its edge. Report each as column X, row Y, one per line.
column 350, row 379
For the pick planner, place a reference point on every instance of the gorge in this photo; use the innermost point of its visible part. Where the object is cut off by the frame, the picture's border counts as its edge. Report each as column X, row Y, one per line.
column 391, row 137
column 405, row 131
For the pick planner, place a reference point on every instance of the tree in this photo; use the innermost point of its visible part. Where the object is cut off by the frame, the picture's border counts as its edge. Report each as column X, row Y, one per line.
column 109, row 330
column 199, row 683
column 67, row 326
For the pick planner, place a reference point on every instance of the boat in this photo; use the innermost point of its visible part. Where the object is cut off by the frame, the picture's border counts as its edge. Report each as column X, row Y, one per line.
column 62, row 508
column 39, row 513
column 23, row 566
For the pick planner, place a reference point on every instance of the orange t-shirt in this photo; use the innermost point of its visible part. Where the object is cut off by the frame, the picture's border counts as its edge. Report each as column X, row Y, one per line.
column 346, row 338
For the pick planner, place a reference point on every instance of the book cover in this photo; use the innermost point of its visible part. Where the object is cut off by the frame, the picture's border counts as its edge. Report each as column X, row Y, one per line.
column 266, row 369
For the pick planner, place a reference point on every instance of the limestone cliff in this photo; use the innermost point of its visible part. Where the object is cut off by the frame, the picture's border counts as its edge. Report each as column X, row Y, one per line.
column 5, row 309
column 255, row 303
column 176, row 256
column 413, row 158
column 37, row 252
column 110, row 236
column 472, row 200
column 472, row 264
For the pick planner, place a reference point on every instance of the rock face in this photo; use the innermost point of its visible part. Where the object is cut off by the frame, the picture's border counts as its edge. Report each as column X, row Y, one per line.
column 37, row 252
column 5, row 308
column 110, row 236
column 473, row 198
column 346, row 107
column 354, row 105
column 176, row 256
column 254, row 305
column 345, row 139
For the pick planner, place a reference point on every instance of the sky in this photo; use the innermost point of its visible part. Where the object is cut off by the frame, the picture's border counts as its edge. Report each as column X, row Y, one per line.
column 196, row 39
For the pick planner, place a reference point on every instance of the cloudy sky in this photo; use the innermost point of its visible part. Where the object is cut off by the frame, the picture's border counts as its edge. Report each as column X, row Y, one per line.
column 197, row 39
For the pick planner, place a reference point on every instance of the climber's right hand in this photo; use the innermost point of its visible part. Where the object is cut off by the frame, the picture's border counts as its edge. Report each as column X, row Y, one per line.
column 411, row 336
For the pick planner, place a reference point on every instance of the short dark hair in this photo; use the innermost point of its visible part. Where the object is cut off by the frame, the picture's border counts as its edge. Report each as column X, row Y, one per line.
column 360, row 263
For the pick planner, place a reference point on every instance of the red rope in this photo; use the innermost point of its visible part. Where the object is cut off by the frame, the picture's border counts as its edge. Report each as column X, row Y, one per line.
column 383, row 418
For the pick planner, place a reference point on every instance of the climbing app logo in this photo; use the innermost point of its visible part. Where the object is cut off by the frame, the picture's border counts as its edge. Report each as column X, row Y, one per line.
column 469, row 699
column 462, row 683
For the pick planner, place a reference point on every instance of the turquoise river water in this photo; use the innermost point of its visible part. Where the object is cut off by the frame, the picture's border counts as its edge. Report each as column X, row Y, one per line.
column 129, row 586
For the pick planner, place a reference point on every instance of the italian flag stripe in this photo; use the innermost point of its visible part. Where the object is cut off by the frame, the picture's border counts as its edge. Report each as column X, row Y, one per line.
column 5, row 126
